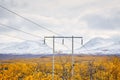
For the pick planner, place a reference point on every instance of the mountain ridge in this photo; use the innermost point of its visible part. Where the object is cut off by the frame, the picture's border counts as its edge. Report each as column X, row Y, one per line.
column 94, row 46
column 100, row 45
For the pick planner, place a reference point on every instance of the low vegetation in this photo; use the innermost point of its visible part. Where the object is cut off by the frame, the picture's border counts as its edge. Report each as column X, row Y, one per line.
column 85, row 68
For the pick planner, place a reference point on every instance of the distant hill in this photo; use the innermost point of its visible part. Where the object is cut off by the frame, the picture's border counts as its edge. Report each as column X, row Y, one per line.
column 15, row 56
column 31, row 47
column 95, row 46
column 100, row 46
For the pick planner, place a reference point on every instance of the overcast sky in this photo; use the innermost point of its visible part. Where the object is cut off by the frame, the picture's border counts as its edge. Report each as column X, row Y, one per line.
column 87, row 18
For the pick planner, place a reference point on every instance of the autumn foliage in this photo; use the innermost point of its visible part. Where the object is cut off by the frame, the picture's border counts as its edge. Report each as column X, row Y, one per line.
column 85, row 68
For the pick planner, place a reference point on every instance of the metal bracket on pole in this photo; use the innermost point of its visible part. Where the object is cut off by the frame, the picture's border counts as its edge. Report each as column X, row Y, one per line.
column 44, row 41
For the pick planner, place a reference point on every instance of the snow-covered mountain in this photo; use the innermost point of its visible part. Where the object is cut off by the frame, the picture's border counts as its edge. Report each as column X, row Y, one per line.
column 94, row 46
column 29, row 47
column 100, row 46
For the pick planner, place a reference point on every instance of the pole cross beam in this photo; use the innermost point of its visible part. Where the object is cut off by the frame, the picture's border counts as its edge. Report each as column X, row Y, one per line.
column 53, row 60
column 62, row 37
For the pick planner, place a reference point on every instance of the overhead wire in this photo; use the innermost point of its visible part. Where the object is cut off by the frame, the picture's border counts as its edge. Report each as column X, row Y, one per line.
column 28, row 20
column 20, row 31
column 31, row 21
column 10, row 27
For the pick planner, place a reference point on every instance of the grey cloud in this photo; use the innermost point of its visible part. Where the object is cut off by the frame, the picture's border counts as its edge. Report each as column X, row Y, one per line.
column 11, row 19
column 101, row 22
column 53, row 9
column 3, row 30
column 4, row 14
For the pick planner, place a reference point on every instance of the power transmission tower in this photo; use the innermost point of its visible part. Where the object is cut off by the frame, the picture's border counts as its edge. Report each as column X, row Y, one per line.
column 53, row 58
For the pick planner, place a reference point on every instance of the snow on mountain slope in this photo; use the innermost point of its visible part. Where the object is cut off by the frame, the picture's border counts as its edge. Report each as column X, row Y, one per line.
column 4, row 45
column 31, row 47
column 94, row 46
column 97, row 43
column 100, row 46
column 111, row 49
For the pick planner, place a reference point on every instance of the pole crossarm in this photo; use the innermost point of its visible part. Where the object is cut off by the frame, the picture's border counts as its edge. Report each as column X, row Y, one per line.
column 62, row 37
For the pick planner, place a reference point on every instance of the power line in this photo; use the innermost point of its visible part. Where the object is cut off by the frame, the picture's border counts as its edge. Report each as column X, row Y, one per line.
column 85, row 47
column 31, row 40
column 20, row 30
column 28, row 20
column 23, row 38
